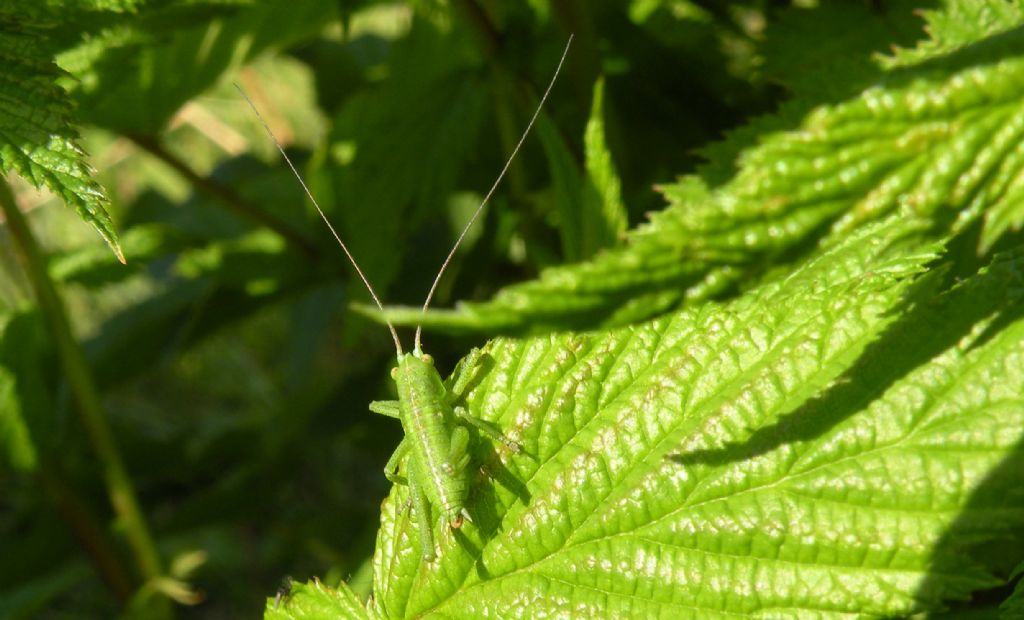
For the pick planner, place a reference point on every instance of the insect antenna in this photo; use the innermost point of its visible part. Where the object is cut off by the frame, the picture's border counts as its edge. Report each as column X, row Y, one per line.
column 490, row 192
column 337, row 237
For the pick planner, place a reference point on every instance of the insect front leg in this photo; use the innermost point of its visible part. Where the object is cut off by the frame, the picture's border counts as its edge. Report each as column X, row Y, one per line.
column 486, row 428
column 390, row 408
column 391, row 469
column 465, row 373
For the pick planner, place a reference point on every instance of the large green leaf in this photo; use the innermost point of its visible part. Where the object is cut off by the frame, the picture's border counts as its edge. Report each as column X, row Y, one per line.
column 940, row 137
column 791, row 438
column 843, row 441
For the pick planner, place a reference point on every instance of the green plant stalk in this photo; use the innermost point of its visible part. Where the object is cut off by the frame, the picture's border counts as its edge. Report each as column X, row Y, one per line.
column 93, row 417
column 226, row 197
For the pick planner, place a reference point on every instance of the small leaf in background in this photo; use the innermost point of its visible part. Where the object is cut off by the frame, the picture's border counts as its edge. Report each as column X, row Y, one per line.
column 605, row 216
column 566, row 190
column 17, row 446
column 28, row 416
column 87, row 266
column 1013, row 607
column 588, row 201
column 38, row 139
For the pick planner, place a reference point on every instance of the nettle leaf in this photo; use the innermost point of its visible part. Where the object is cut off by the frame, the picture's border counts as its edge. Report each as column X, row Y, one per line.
column 836, row 442
column 941, row 138
column 956, row 24
column 38, row 139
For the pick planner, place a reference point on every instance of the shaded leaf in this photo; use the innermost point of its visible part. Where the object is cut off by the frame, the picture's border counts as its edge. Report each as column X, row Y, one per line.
column 1013, row 607
column 588, row 201
column 838, row 49
column 27, row 408
column 130, row 78
column 27, row 600
column 18, row 449
column 396, row 152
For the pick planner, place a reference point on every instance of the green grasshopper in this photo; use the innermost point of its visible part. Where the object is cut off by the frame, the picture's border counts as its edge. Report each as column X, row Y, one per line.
column 436, row 442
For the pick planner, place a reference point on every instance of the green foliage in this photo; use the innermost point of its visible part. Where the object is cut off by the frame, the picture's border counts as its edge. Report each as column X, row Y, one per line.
column 941, row 138
column 795, row 390
column 38, row 139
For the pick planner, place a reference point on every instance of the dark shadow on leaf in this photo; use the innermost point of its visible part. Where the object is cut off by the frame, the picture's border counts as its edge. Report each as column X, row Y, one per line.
column 491, row 472
column 471, row 549
column 982, row 545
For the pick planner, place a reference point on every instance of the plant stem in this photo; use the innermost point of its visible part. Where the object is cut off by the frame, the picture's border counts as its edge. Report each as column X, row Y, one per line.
column 79, row 379
column 225, row 195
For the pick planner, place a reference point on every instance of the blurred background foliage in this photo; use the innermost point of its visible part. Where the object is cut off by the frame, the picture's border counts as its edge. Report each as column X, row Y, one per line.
column 235, row 377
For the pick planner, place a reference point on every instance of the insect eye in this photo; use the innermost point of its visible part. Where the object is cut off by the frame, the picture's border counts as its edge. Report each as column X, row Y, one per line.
column 427, row 358
column 394, row 373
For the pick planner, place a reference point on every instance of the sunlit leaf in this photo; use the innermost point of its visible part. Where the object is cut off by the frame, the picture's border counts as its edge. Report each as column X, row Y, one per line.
column 772, row 446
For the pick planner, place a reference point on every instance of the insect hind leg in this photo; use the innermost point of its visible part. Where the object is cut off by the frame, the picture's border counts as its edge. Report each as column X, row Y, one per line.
column 422, row 508
column 487, row 428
